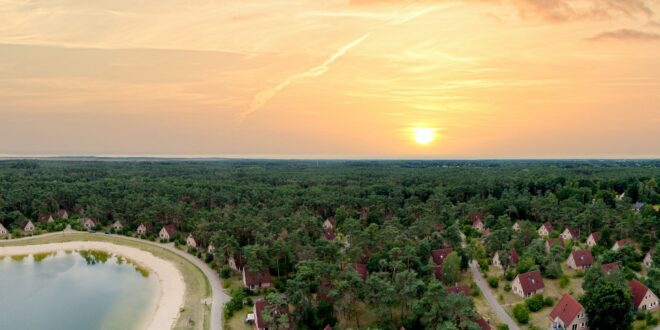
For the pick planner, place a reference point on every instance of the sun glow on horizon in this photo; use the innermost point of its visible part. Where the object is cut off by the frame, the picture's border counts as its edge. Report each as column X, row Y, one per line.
column 424, row 135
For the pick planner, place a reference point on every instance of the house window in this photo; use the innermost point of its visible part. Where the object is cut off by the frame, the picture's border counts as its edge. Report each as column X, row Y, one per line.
column 574, row 326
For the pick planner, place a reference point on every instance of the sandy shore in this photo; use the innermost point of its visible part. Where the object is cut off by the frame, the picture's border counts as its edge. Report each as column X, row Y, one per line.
column 170, row 300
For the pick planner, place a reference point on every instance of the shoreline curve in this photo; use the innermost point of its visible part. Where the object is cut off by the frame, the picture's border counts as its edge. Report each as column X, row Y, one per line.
column 172, row 287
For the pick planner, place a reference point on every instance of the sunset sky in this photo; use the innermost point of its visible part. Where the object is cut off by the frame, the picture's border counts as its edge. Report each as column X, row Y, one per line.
column 331, row 78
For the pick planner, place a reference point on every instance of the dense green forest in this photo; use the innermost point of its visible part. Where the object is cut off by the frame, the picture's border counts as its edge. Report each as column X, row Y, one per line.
column 389, row 216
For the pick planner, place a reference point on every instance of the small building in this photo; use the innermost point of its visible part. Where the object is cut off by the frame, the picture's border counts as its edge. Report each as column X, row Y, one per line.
column 483, row 324
column 569, row 234
column 581, row 259
column 88, row 223
column 459, row 289
column 516, row 226
column 593, row 239
column 648, row 259
column 569, row 314
column 609, row 268
column 210, row 249
column 328, row 235
column 512, row 259
column 528, row 284
column 3, row 230
column 260, row 308
column 478, row 224
column 141, row 229
column 256, row 280
column 643, row 298
column 329, row 223
column 362, row 270
column 28, row 227
column 46, row 218
column 167, row 232
column 236, row 262
column 439, row 255
column 545, row 229
column 621, row 243
column 190, row 241
column 62, row 214
column 552, row 242
column 117, row 225
column 638, row 206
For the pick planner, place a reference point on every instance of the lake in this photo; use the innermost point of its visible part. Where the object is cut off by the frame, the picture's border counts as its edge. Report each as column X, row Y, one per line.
column 74, row 291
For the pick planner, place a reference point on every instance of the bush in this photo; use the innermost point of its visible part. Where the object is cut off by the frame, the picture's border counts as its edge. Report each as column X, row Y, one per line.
column 548, row 301
column 225, row 272
column 651, row 320
column 507, row 287
column 502, row 327
column 564, row 281
column 636, row 266
column 483, row 265
column 579, row 274
column 474, row 290
column 510, row 275
column 534, row 303
column 493, row 281
column 521, row 313
column 641, row 315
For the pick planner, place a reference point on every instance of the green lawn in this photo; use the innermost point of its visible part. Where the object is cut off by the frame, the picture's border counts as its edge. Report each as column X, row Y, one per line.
column 194, row 315
column 237, row 321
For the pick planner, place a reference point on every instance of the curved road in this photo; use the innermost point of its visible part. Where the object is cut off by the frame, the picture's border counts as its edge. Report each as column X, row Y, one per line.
column 219, row 296
column 494, row 305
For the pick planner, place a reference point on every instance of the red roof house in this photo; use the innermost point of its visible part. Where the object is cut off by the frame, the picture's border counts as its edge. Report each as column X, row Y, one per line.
column 459, row 289
column 361, row 269
column 167, row 232
column 612, row 266
column 568, row 314
column 259, row 309
column 570, row 233
column 439, row 255
column 483, row 324
column 593, row 239
column 581, row 259
column 643, row 298
column 621, row 243
column 545, row 229
column 255, row 280
column 528, row 284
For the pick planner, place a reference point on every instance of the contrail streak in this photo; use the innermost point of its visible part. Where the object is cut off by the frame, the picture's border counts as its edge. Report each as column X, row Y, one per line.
column 263, row 97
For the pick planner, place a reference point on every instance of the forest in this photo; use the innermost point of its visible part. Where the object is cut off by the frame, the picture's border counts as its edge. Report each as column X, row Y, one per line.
column 389, row 216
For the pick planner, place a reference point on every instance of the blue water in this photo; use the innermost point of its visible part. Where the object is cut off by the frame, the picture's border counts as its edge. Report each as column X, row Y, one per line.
column 65, row 292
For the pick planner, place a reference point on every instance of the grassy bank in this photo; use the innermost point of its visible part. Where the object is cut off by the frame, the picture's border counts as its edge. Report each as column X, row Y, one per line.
column 195, row 315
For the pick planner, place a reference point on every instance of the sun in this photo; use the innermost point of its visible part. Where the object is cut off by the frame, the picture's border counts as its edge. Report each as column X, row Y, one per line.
column 424, row 135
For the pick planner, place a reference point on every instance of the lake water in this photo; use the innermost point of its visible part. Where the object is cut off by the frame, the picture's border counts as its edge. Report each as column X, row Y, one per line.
column 70, row 292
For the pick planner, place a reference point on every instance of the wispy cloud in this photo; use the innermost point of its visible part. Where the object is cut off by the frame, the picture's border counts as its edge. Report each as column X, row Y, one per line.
column 263, row 97
column 627, row 34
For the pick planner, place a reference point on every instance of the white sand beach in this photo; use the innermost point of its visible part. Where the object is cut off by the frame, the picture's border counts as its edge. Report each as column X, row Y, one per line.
column 171, row 284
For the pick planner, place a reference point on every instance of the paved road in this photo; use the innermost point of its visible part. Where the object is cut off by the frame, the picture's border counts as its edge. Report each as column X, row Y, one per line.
column 492, row 301
column 219, row 296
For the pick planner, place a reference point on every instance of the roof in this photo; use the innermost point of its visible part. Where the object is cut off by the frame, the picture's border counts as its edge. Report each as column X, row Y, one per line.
column 327, row 327
column 170, row 229
column 624, row 241
column 62, row 213
column 583, row 258
column 44, row 217
column 514, row 257
column 574, row 233
column 440, row 255
column 437, row 272
column 332, row 220
column 476, row 216
column 483, row 324
column 118, row 223
column 86, row 220
column 531, row 281
column 547, row 226
column 595, row 236
column 256, row 277
column 566, row 309
column 638, row 292
column 559, row 241
column 638, row 206
column 2, row 227
column 459, row 289
column 362, row 270
column 259, row 308
column 608, row 268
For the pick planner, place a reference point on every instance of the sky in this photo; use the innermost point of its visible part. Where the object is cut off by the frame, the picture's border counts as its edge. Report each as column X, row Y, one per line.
column 331, row 78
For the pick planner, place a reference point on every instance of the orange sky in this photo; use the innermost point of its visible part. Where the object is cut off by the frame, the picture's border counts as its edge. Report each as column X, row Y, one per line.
column 331, row 78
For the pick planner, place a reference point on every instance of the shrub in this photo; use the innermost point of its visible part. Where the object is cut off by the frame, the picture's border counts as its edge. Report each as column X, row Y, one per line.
column 502, row 327
column 521, row 313
column 651, row 320
column 579, row 273
column 474, row 290
column 534, row 303
column 636, row 266
column 507, row 287
column 548, row 301
column 510, row 275
column 641, row 315
column 225, row 272
column 483, row 265
column 564, row 281
column 493, row 281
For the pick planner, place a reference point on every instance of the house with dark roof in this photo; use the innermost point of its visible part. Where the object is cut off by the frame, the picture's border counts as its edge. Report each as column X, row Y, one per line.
column 88, row 223
column 62, row 214
column 609, row 268
column 478, row 224
column 621, row 243
column 261, row 307
column 3, row 230
column 528, row 284
column 439, row 255
column 256, row 280
column 512, row 259
column 190, row 241
column 361, row 269
column 28, row 227
column 638, row 206
column 580, row 259
column 329, row 223
column 643, row 298
column 593, row 239
column 117, row 225
column 459, row 289
column 570, row 234
column 648, row 259
column 46, row 218
column 552, row 242
column 483, row 324
column 329, row 235
column 569, row 314
column 545, row 229
column 167, row 232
